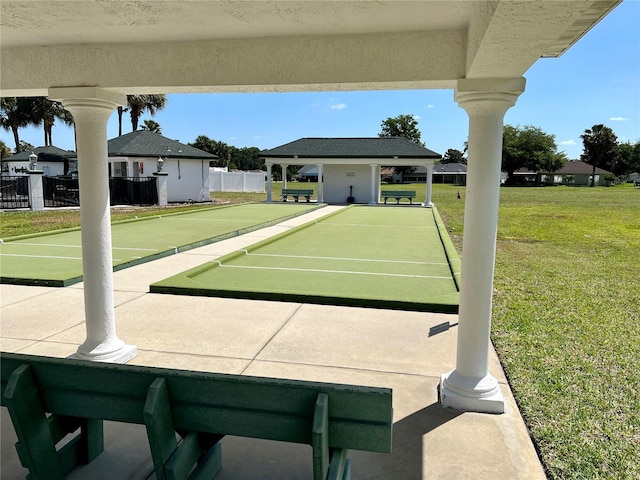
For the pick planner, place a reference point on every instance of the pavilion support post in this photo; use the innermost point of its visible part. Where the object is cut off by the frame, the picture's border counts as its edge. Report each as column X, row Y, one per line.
column 470, row 386
column 269, row 165
column 375, row 176
column 427, row 200
column 320, row 182
column 91, row 108
column 284, row 175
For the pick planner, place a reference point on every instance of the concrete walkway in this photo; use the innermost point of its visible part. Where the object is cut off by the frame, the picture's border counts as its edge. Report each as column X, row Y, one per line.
column 406, row 351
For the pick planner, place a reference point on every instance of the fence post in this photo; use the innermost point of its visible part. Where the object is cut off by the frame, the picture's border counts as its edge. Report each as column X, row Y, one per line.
column 162, row 178
column 36, row 193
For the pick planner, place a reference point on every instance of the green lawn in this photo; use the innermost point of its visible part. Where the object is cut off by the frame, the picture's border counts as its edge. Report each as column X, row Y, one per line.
column 566, row 321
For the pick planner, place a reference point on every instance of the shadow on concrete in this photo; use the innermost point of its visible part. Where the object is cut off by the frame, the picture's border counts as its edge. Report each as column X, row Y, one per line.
column 406, row 460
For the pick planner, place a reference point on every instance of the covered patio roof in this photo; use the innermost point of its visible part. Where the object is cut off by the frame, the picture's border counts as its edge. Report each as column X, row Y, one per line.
column 237, row 46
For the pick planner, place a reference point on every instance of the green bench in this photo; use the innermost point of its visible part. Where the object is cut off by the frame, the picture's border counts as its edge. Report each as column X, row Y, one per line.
column 201, row 407
column 295, row 193
column 398, row 194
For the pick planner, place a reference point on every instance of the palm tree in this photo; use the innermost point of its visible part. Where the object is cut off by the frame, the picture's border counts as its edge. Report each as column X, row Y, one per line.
column 152, row 126
column 600, row 146
column 14, row 114
column 138, row 104
column 46, row 111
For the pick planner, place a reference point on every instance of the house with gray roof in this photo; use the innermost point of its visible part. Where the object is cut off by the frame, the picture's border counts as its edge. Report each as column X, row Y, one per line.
column 577, row 172
column 137, row 154
column 455, row 173
column 345, row 165
column 53, row 161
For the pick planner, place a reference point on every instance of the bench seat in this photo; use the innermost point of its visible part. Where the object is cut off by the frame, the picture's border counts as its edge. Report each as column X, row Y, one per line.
column 202, row 407
column 398, row 194
column 295, row 193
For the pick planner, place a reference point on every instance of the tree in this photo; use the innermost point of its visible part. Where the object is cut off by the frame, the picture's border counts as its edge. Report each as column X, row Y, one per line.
column 628, row 158
column 45, row 112
column 453, row 156
column 401, row 126
column 220, row 149
column 529, row 148
column 246, row 158
column 600, row 148
column 152, row 126
column 138, row 104
column 14, row 114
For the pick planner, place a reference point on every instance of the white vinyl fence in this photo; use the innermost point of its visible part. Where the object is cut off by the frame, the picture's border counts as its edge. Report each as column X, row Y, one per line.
column 236, row 181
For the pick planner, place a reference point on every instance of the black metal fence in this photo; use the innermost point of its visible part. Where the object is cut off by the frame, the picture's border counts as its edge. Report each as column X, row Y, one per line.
column 64, row 191
column 60, row 192
column 14, row 192
column 133, row 190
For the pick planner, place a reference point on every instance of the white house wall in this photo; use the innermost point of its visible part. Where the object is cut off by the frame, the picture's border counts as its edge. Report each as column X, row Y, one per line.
column 338, row 178
column 188, row 180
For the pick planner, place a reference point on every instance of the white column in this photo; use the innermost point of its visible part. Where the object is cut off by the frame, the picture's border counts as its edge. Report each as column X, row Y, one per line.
column 374, row 183
column 427, row 200
column 470, row 386
column 269, row 165
column 36, row 192
column 162, row 187
column 320, row 182
column 91, row 108
column 284, row 175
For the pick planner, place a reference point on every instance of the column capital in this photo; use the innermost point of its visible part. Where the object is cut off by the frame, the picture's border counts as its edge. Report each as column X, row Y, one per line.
column 488, row 95
column 87, row 96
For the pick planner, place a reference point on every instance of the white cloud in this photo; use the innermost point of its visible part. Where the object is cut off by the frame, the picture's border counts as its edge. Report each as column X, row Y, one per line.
column 431, row 105
column 417, row 117
column 568, row 142
column 338, row 106
column 618, row 119
column 233, row 138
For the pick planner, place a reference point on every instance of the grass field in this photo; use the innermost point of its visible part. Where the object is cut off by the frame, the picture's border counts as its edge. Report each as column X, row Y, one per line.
column 566, row 321
column 361, row 256
column 566, row 318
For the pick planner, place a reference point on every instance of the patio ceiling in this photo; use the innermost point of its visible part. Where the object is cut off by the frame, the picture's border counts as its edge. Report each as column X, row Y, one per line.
column 221, row 46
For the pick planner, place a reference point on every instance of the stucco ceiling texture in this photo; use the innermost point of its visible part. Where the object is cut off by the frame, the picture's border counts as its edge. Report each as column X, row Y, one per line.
column 180, row 46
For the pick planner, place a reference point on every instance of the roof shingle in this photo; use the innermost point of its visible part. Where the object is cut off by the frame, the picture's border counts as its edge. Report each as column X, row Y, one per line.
column 366, row 147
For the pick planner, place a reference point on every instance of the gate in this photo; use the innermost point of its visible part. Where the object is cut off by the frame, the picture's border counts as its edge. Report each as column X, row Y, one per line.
column 133, row 190
column 60, row 192
column 14, row 192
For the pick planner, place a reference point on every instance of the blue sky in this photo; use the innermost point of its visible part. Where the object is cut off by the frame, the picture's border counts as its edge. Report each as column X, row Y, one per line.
column 596, row 81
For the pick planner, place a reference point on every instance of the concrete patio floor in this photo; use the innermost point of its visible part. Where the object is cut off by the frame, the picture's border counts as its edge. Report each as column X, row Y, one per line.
column 406, row 351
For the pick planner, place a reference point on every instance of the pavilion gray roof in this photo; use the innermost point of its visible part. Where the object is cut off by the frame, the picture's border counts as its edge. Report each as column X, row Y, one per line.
column 369, row 147
column 143, row 143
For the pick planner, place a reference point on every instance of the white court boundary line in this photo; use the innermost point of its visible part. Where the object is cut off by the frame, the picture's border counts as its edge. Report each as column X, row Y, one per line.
column 320, row 222
column 211, row 220
column 333, row 271
column 47, row 256
column 77, row 246
column 341, row 258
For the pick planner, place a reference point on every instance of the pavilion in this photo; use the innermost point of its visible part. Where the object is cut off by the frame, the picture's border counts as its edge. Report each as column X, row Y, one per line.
column 90, row 54
column 346, row 163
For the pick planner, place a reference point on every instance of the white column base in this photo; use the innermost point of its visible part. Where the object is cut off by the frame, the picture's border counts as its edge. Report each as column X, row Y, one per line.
column 427, row 205
column 484, row 396
column 122, row 354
